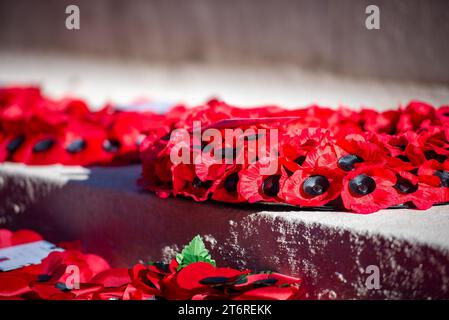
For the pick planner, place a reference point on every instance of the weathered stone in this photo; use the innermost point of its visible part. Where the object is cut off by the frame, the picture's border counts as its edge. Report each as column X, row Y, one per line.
column 330, row 250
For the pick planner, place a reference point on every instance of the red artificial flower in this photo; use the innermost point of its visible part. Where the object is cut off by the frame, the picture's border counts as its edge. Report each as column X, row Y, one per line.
column 199, row 275
column 369, row 188
column 303, row 147
column 227, row 188
column 55, row 264
column 409, row 188
column 9, row 238
column 355, row 149
column 415, row 115
column 436, row 175
column 442, row 114
column 187, row 183
column 312, row 186
column 13, row 285
column 256, row 185
column 380, row 122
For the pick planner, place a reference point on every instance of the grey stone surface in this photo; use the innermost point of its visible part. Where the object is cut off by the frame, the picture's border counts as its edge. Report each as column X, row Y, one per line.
column 102, row 80
column 331, row 250
column 411, row 43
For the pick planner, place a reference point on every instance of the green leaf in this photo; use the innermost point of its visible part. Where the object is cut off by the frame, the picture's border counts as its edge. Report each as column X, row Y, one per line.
column 195, row 251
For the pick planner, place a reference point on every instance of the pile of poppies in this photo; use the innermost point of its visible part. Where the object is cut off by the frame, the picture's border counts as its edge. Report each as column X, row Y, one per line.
column 360, row 161
column 191, row 275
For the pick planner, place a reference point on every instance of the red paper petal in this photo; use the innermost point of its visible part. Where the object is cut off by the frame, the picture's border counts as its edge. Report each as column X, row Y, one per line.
column 189, row 277
column 112, row 277
column 12, row 286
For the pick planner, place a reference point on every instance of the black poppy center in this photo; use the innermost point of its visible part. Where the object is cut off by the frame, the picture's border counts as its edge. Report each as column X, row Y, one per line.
column 76, row 146
column 15, row 144
column 431, row 154
column 197, row 183
column 43, row 278
column 300, row 160
column 166, row 137
column 315, row 185
column 264, row 282
column 403, row 157
column 404, row 185
column 270, row 186
column 347, row 162
column 62, row 286
column 362, row 185
column 43, row 145
column 111, row 145
column 444, row 178
column 163, row 267
column 231, row 181
column 214, row 281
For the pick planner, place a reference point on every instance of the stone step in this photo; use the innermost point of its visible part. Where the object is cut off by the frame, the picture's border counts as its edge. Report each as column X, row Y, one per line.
column 332, row 251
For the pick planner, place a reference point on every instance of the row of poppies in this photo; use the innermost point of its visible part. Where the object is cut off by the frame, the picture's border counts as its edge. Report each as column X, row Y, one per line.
column 353, row 165
column 177, row 280
column 35, row 129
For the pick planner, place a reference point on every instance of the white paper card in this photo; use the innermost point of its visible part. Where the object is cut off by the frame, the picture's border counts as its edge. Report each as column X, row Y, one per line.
column 25, row 254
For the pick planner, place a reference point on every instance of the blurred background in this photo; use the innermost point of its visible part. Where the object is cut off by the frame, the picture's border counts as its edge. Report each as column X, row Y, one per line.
column 290, row 52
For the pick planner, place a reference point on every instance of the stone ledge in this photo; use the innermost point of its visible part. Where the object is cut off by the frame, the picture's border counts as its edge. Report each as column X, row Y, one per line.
column 104, row 208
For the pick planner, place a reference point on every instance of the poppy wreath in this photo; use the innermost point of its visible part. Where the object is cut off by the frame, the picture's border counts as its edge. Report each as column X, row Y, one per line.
column 327, row 159
column 192, row 275
column 358, row 161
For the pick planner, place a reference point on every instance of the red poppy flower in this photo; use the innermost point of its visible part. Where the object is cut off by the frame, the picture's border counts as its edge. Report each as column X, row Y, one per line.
column 157, row 166
column 9, row 238
column 255, row 185
column 303, row 148
column 227, row 188
column 380, row 122
column 269, row 293
column 355, row 149
column 125, row 133
column 13, row 285
column 345, row 121
column 58, row 291
column 442, row 114
column 436, row 175
column 116, row 277
column 369, row 188
column 416, row 115
column 199, row 276
column 207, row 167
column 55, row 264
column 312, row 186
column 146, row 280
column 434, row 144
column 409, row 188
column 187, row 183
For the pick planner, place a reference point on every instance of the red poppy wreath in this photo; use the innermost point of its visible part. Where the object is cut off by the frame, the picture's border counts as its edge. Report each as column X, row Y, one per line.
column 315, row 157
